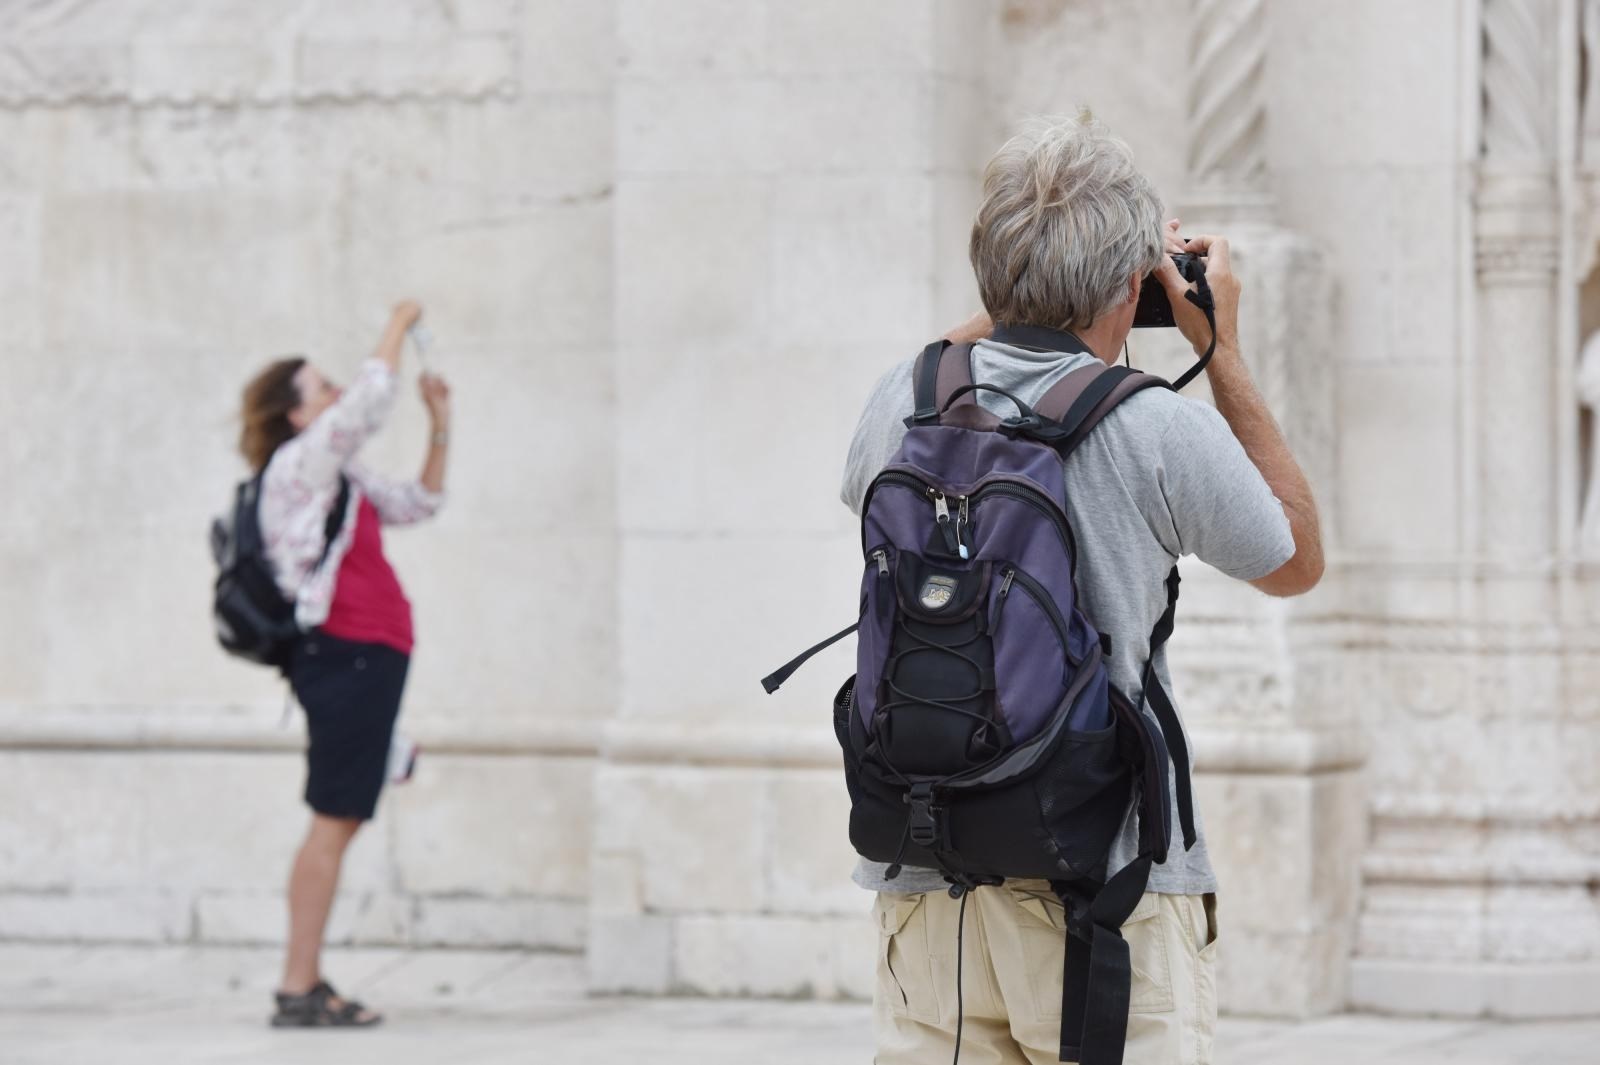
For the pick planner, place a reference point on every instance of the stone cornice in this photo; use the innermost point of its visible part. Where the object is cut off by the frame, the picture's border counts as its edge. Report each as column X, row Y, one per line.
column 228, row 53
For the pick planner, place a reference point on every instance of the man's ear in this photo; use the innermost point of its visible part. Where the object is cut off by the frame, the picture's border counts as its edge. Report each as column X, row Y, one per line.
column 1133, row 287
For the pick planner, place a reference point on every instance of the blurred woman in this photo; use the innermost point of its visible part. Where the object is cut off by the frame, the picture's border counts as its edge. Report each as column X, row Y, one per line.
column 321, row 515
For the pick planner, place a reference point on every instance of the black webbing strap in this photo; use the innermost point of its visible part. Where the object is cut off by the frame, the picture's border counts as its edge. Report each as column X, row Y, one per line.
column 774, row 680
column 335, row 522
column 1097, row 972
column 1151, row 690
column 1200, row 296
column 1097, row 390
column 925, row 385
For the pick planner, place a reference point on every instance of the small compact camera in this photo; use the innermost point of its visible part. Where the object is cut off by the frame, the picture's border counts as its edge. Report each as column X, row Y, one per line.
column 1154, row 309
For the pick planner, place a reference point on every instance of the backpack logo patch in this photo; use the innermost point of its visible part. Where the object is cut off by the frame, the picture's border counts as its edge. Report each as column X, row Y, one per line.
column 937, row 592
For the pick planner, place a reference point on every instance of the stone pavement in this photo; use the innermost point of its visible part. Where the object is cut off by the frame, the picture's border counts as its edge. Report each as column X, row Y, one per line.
column 94, row 1005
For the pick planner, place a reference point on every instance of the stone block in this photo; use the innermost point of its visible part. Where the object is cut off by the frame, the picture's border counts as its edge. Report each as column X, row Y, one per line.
column 1285, row 849
column 1392, row 107
column 851, row 258
column 809, row 870
column 20, row 273
column 876, row 124
column 494, row 923
column 540, row 841
column 827, row 38
column 668, row 669
column 1397, row 460
column 568, row 46
column 630, row 955
column 145, row 266
column 713, row 128
column 677, row 242
column 1448, row 989
column 696, row 834
column 689, row 39
column 769, row 956
column 1281, row 973
column 64, row 836
column 552, row 147
column 118, row 916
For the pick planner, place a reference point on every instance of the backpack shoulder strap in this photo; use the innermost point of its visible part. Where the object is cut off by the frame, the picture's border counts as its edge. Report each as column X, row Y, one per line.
column 1081, row 399
column 335, row 522
column 940, row 371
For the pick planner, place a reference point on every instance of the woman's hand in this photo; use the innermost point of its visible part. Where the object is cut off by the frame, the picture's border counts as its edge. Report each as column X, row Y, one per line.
column 406, row 314
column 435, row 393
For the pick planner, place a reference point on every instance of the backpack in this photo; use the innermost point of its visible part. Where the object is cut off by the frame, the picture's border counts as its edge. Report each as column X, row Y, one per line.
column 254, row 620
column 981, row 734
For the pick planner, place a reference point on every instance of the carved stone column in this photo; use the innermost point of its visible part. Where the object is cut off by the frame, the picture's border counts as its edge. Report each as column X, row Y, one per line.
column 1479, row 896
column 1227, row 112
column 1277, row 747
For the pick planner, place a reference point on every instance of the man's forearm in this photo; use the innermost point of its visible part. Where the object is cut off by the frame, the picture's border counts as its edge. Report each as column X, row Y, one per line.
column 1241, row 404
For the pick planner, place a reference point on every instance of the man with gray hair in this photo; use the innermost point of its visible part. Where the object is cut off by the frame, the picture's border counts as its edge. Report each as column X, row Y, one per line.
column 1066, row 233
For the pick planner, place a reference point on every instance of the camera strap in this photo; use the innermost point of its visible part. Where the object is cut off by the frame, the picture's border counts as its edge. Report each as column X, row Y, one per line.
column 1200, row 296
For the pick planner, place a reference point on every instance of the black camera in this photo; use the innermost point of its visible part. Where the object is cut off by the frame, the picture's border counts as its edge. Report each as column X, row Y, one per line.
column 1154, row 309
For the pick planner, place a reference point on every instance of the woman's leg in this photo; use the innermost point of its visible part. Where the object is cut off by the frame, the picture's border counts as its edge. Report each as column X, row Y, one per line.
column 312, row 882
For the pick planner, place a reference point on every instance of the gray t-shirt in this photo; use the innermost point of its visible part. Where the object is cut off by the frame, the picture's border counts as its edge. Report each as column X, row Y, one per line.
column 1162, row 476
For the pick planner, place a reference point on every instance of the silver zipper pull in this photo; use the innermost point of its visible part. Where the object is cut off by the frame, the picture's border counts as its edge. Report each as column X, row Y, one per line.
column 1005, row 585
column 882, row 558
column 952, row 536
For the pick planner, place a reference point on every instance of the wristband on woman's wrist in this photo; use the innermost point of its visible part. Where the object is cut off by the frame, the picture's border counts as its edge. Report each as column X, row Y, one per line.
column 441, row 437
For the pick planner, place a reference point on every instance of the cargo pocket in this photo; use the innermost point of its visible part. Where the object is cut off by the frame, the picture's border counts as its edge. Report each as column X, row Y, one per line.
column 1146, row 933
column 905, row 974
column 1044, row 935
column 1042, row 930
column 1205, row 979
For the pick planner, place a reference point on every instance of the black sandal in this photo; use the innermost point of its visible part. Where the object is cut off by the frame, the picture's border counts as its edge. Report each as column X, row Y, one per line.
column 316, row 1009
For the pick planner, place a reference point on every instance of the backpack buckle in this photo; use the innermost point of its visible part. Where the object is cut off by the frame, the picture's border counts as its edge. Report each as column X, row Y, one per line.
column 923, row 820
column 1021, row 425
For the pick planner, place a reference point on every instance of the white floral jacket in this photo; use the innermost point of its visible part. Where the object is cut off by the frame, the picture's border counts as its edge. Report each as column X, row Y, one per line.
column 301, row 486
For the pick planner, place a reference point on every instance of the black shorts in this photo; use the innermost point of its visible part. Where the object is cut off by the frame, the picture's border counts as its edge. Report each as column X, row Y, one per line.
column 351, row 695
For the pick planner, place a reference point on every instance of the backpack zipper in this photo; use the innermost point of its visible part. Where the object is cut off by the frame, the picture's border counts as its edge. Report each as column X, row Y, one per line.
column 1039, row 594
column 1030, row 496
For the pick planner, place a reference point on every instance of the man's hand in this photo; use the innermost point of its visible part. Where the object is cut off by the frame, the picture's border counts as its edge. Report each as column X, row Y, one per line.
column 1224, row 287
column 436, row 397
column 974, row 329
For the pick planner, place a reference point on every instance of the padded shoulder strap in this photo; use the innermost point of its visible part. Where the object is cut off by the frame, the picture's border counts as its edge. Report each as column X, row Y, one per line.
column 941, row 370
column 1081, row 399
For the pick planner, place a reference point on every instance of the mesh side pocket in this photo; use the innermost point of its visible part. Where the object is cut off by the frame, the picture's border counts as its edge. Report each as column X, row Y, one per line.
column 1083, row 794
column 844, row 705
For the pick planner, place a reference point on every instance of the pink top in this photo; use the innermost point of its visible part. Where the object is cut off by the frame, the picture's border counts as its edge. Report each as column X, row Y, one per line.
column 369, row 605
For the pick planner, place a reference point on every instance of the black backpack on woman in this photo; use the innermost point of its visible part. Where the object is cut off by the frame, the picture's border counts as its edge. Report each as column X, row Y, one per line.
column 254, row 620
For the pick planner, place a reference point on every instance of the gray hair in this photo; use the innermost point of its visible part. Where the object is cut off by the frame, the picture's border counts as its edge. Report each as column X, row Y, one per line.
column 1065, row 222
